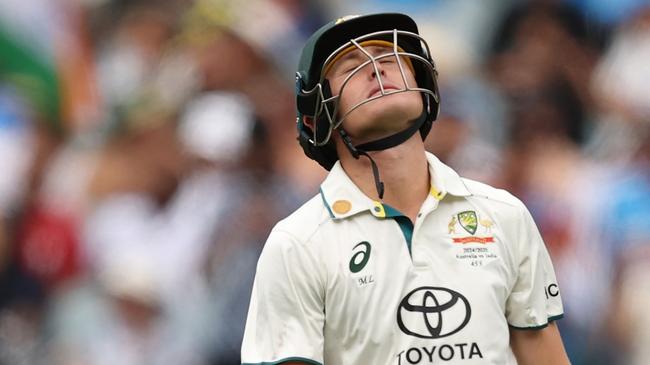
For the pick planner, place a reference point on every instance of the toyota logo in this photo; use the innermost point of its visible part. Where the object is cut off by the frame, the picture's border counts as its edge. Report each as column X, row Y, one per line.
column 433, row 312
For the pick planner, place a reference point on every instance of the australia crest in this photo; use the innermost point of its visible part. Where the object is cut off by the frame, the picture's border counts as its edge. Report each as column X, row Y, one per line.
column 468, row 221
column 471, row 223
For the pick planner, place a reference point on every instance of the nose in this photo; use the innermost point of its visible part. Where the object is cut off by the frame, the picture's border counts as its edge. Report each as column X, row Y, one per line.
column 379, row 68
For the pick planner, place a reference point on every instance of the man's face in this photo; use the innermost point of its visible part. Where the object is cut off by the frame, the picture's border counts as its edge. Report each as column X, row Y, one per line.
column 381, row 117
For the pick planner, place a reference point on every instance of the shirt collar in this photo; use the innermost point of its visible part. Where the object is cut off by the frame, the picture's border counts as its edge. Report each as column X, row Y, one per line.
column 445, row 179
column 344, row 199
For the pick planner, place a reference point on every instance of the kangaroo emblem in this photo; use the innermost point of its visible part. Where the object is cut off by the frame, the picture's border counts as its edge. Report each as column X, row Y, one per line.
column 487, row 224
column 452, row 225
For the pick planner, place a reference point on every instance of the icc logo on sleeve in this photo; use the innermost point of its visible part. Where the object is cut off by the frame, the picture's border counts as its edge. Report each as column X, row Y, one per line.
column 551, row 291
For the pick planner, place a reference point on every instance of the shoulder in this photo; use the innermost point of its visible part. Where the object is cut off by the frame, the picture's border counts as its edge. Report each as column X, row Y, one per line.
column 501, row 206
column 482, row 191
column 291, row 248
column 304, row 222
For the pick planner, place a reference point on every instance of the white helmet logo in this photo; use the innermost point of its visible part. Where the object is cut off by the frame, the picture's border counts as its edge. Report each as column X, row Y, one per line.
column 345, row 18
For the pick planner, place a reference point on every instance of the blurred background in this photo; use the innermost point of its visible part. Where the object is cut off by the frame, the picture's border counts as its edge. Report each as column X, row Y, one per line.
column 148, row 147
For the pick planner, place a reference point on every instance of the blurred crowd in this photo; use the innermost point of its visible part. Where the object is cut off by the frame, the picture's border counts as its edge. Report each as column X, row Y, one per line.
column 148, row 147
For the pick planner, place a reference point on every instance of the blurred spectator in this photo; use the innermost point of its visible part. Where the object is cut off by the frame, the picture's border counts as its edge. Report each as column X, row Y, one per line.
column 29, row 123
column 228, row 60
column 620, row 84
column 257, row 198
column 543, row 62
column 120, row 319
column 623, row 237
column 470, row 130
column 128, row 58
column 144, row 227
column 543, row 59
column 629, row 322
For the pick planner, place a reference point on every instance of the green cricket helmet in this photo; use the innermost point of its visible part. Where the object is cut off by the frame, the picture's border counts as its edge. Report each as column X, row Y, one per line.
column 399, row 34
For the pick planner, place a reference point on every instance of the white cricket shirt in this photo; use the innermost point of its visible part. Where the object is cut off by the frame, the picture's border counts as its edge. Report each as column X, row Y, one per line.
column 346, row 280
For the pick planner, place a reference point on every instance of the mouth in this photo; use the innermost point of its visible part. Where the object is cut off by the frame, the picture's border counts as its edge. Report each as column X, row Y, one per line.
column 377, row 90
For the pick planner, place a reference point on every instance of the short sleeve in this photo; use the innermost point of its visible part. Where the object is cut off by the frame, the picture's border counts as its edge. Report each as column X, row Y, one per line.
column 286, row 314
column 535, row 297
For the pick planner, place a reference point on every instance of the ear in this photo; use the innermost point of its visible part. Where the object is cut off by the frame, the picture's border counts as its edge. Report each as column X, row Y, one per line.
column 309, row 122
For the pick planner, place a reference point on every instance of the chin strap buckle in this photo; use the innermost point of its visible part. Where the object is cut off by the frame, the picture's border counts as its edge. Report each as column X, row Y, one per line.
column 348, row 143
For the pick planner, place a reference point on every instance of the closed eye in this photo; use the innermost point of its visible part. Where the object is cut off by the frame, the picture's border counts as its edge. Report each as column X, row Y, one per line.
column 348, row 66
column 349, row 69
column 387, row 60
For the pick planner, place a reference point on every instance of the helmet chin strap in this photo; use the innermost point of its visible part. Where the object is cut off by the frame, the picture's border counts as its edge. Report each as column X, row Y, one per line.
column 379, row 145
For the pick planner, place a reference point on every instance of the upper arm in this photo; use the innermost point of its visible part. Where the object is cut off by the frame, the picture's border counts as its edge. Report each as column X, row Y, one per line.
column 538, row 347
column 286, row 314
column 534, row 299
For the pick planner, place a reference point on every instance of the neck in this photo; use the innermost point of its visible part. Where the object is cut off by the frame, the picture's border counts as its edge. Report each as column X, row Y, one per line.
column 403, row 169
